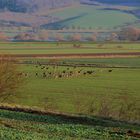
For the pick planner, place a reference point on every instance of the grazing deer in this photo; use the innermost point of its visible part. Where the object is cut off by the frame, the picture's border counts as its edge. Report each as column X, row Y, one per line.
column 110, row 70
column 133, row 134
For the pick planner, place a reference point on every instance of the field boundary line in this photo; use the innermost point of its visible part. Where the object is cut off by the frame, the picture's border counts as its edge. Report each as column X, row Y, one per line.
column 82, row 119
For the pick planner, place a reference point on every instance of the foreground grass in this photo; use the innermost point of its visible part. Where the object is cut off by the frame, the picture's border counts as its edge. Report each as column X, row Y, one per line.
column 24, row 126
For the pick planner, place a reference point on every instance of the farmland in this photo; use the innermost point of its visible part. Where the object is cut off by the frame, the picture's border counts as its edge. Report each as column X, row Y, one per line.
column 69, row 70
column 110, row 78
column 20, row 125
column 67, row 48
column 100, row 86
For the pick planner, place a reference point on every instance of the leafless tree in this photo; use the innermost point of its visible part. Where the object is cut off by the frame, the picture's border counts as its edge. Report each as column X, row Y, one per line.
column 9, row 77
column 77, row 37
column 3, row 37
column 130, row 33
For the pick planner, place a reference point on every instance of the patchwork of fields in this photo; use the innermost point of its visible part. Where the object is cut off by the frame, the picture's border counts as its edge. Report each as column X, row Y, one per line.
column 67, row 48
column 107, row 87
column 73, row 85
column 78, row 75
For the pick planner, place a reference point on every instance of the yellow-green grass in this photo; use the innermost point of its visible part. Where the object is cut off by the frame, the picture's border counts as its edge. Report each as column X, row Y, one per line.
column 73, row 95
column 8, row 45
column 76, row 94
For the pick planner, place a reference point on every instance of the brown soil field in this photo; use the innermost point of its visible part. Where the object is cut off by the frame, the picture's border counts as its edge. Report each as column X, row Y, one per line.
column 90, row 55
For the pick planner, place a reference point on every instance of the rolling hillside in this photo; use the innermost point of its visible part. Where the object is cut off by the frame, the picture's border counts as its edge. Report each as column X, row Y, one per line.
column 70, row 15
column 120, row 2
column 97, row 17
column 114, row 2
column 32, row 5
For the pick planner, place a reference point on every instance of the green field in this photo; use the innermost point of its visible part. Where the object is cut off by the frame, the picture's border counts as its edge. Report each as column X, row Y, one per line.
column 69, row 90
column 106, row 62
column 24, row 126
column 77, row 93
column 66, row 48
column 105, row 87
column 96, row 17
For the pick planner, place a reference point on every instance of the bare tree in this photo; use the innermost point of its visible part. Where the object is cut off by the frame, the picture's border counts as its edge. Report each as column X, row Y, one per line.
column 9, row 77
column 113, row 37
column 3, row 37
column 93, row 37
column 77, row 37
column 59, row 37
column 43, row 35
column 130, row 33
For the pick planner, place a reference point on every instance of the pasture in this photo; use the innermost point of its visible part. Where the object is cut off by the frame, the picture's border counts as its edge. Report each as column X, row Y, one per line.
column 79, row 85
column 74, row 89
column 86, row 87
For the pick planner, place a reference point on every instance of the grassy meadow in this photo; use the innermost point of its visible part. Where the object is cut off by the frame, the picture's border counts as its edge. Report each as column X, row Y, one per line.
column 69, row 87
column 117, row 82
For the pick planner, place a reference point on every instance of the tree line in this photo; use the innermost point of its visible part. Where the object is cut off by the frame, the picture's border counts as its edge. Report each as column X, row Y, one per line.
column 126, row 34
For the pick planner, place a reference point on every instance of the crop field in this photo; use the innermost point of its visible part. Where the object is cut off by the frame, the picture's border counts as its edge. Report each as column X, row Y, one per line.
column 19, row 125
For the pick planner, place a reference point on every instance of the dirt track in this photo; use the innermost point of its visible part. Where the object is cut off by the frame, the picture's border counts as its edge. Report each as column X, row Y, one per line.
column 88, row 55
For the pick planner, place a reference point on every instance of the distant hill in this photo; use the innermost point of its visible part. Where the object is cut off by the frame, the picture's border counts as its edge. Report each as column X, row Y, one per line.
column 68, row 14
column 32, row 5
column 118, row 2
column 13, row 5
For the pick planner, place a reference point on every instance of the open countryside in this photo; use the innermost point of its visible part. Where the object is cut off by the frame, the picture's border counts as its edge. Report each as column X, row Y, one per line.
column 69, row 70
